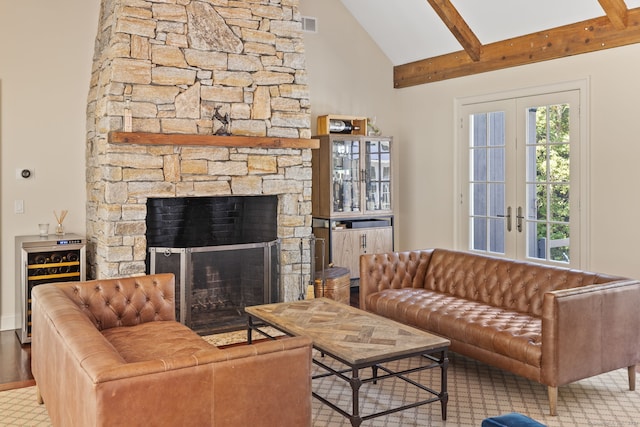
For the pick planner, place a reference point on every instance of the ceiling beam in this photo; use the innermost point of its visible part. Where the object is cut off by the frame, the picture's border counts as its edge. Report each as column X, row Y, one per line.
column 458, row 27
column 582, row 37
column 616, row 11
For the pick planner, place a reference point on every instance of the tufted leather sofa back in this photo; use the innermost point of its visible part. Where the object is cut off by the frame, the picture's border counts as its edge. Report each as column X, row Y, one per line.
column 500, row 282
column 127, row 301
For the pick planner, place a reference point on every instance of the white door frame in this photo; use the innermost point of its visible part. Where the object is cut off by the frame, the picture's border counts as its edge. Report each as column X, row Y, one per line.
column 582, row 86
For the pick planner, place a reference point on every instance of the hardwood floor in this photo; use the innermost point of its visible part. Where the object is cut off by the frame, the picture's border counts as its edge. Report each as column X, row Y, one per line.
column 15, row 362
column 15, row 359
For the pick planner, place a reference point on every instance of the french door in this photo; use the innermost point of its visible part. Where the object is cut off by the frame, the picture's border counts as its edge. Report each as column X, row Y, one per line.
column 520, row 185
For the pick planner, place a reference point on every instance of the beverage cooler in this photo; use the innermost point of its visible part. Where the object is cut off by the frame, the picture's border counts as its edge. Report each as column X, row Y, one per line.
column 45, row 259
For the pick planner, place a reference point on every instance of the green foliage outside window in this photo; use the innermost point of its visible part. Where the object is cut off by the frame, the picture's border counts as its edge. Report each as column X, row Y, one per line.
column 552, row 176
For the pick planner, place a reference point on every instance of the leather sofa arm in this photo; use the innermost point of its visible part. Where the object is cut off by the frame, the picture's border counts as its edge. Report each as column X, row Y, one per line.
column 599, row 320
column 393, row 270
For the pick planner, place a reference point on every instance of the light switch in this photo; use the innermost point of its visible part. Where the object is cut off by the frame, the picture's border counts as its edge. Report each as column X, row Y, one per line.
column 18, row 206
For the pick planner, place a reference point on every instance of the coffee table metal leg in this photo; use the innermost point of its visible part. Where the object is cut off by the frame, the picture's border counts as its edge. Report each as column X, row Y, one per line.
column 444, row 395
column 355, row 382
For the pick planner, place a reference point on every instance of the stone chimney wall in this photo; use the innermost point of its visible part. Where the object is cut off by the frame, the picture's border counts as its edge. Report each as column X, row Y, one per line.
column 186, row 66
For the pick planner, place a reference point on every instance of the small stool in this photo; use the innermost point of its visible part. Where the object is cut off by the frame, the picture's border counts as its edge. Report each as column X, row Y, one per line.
column 513, row 419
column 337, row 284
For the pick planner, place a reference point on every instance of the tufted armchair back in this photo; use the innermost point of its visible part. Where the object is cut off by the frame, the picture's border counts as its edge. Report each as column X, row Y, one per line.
column 129, row 301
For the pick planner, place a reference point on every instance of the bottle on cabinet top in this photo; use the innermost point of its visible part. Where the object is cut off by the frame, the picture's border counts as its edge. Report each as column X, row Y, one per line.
column 342, row 126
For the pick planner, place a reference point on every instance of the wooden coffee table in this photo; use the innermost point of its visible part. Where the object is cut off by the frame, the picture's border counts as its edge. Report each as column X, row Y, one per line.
column 359, row 340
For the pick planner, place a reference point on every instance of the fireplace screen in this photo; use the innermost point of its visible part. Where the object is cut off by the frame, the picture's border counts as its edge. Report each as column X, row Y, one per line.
column 215, row 283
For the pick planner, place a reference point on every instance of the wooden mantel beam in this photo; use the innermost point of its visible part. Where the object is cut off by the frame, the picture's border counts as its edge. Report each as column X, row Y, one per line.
column 211, row 140
column 458, row 27
column 582, row 37
column 616, row 11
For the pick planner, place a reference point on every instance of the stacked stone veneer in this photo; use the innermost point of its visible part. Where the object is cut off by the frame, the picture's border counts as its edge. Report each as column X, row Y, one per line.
column 171, row 64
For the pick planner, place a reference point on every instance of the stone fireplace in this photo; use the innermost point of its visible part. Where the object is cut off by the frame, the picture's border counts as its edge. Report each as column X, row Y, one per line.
column 169, row 77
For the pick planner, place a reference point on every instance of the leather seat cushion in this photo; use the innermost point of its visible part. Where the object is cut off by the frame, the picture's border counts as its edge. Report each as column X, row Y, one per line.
column 164, row 340
column 506, row 332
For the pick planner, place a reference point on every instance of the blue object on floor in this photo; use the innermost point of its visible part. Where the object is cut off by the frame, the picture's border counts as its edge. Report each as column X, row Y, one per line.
column 511, row 420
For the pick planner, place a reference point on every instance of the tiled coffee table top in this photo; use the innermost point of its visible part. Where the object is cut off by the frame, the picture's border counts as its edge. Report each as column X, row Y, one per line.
column 353, row 335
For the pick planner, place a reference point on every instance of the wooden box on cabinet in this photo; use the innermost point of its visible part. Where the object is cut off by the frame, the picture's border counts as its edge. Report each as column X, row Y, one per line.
column 360, row 123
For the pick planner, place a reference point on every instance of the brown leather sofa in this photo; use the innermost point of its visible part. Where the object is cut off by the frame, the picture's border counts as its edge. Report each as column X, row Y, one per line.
column 551, row 325
column 110, row 353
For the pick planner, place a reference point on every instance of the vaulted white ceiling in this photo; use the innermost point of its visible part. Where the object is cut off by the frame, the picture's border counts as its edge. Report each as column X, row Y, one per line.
column 410, row 30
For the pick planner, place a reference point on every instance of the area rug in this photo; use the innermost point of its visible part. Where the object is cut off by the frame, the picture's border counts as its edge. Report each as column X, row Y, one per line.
column 476, row 391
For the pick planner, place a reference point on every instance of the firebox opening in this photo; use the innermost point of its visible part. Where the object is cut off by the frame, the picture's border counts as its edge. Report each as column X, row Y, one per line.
column 223, row 251
column 189, row 222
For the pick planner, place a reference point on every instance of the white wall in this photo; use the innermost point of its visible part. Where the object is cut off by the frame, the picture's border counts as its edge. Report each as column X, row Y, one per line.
column 427, row 131
column 46, row 50
column 349, row 74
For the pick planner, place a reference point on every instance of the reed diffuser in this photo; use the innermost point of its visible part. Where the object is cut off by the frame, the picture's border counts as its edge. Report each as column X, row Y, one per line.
column 59, row 220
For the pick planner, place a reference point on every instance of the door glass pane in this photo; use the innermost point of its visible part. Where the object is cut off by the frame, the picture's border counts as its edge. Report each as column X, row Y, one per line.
column 378, row 175
column 479, row 164
column 547, row 213
column 479, row 236
column 496, row 199
column 496, row 235
column 479, row 205
column 346, row 179
column 487, row 184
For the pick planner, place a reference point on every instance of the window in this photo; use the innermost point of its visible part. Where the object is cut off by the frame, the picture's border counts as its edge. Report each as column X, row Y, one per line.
column 519, row 180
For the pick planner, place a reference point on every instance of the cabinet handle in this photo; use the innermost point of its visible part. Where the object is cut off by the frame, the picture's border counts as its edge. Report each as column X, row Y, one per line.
column 363, row 241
